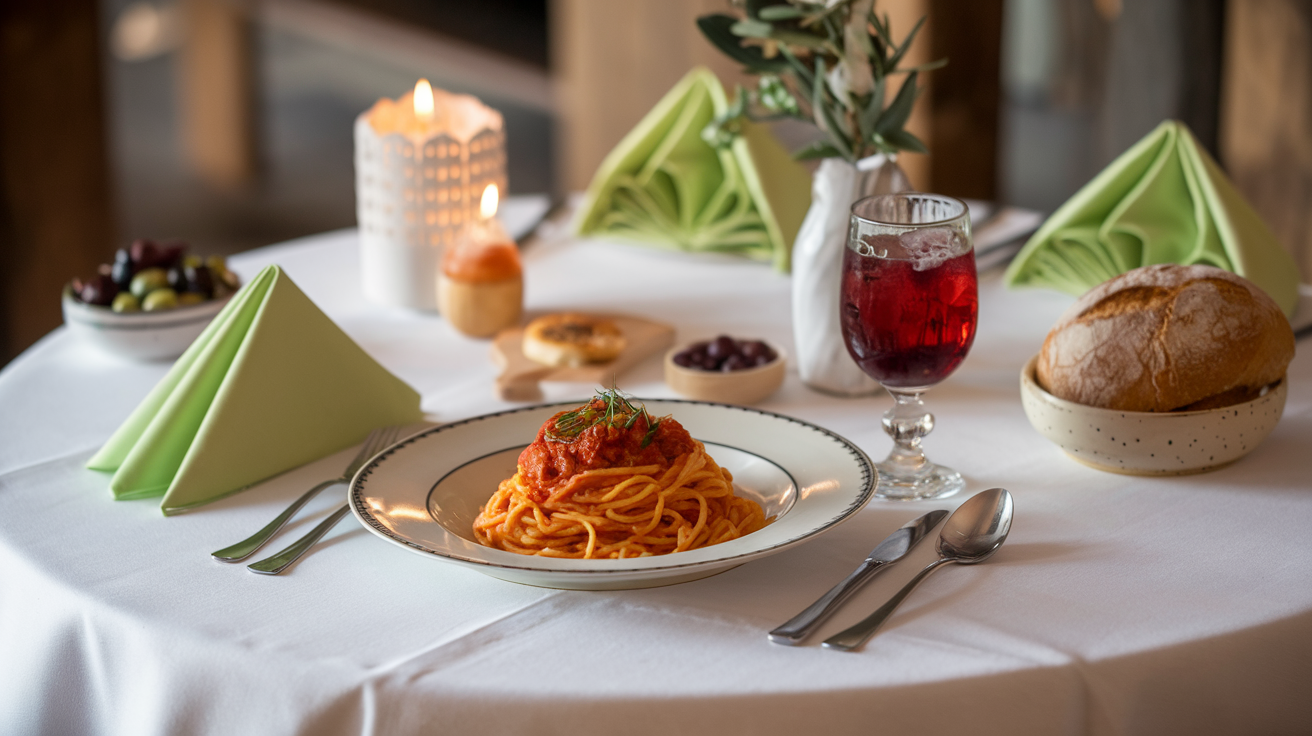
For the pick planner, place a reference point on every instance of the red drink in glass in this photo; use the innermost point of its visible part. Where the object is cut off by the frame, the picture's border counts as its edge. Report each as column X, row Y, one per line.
column 908, row 314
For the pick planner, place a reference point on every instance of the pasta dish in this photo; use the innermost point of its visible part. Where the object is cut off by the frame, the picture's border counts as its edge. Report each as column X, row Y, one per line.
column 608, row 480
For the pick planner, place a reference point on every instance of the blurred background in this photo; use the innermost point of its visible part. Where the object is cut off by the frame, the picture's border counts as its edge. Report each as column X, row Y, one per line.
column 227, row 123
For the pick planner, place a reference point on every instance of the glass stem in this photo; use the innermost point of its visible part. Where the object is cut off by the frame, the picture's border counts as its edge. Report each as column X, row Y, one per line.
column 907, row 422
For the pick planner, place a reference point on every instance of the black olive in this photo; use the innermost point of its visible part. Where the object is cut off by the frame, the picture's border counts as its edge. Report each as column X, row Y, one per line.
column 735, row 363
column 177, row 280
column 200, row 280
column 121, row 271
column 144, row 253
column 99, row 291
column 721, row 347
column 170, row 255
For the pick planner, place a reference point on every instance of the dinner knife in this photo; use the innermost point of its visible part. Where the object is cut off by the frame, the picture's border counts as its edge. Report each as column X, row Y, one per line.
column 892, row 549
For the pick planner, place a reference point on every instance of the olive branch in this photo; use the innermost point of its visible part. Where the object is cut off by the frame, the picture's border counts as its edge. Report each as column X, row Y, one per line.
column 826, row 63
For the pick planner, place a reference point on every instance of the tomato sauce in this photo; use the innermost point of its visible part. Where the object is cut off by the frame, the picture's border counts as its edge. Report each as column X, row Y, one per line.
column 548, row 463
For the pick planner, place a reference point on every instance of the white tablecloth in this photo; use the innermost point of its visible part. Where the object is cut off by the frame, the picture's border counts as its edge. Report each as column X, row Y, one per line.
column 1119, row 605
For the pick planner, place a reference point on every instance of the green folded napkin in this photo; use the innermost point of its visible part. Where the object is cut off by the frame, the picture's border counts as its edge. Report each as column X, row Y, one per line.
column 664, row 185
column 1163, row 201
column 271, row 384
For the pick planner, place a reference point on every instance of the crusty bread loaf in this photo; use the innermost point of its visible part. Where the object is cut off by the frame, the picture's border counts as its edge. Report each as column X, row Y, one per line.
column 572, row 340
column 1162, row 338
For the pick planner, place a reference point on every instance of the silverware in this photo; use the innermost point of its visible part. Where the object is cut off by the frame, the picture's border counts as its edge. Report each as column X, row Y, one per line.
column 972, row 534
column 284, row 559
column 373, row 444
column 889, row 551
column 281, row 561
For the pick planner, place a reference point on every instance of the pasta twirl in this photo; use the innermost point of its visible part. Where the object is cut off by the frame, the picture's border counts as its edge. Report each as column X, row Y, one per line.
column 607, row 480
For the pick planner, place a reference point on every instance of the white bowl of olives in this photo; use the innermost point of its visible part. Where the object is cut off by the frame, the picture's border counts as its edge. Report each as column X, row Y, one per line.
column 151, row 303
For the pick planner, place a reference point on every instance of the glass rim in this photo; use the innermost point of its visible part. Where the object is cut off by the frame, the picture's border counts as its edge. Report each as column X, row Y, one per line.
column 965, row 210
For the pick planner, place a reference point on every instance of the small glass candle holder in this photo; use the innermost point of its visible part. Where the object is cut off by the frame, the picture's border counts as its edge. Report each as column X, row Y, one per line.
column 421, row 163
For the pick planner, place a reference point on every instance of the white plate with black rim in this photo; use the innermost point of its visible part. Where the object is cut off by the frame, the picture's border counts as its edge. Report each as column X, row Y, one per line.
column 424, row 492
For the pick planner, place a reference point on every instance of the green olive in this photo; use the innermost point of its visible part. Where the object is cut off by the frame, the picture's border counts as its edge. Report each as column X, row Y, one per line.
column 190, row 298
column 160, row 299
column 219, row 269
column 125, row 302
column 148, row 280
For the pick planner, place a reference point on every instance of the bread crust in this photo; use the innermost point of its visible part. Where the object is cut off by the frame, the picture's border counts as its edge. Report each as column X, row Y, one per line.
column 1164, row 338
column 572, row 340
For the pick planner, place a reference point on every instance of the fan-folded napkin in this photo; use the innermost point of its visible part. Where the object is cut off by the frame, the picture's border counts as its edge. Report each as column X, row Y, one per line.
column 1165, row 200
column 666, row 186
column 272, row 383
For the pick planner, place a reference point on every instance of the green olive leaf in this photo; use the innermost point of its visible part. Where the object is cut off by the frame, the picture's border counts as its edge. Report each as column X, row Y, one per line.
column 780, row 12
column 752, row 29
column 904, row 140
column 906, row 45
column 897, row 113
column 819, row 149
column 716, row 29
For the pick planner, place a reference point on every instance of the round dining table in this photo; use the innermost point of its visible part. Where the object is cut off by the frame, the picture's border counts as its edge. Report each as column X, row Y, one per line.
column 1118, row 605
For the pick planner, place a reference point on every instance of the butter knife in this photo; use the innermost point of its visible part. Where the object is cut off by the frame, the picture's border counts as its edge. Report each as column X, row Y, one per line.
column 892, row 549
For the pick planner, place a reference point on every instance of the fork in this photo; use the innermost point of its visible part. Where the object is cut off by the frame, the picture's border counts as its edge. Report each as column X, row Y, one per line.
column 284, row 559
column 373, row 444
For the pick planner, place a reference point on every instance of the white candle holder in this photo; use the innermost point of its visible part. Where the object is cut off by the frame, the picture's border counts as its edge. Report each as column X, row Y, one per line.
column 418, row 180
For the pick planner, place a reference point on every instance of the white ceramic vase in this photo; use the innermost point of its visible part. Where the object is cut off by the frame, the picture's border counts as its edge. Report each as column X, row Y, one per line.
column 822, row 357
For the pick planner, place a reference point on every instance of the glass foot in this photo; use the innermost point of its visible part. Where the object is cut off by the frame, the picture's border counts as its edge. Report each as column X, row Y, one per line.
column 936, row 481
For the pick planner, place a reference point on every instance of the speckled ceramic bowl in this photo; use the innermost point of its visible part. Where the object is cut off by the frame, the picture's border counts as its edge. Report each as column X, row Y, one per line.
column 1151, row 443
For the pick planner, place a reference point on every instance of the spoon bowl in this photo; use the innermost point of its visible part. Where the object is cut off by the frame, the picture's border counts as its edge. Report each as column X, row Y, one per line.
column 970, row 535
column 977, row 528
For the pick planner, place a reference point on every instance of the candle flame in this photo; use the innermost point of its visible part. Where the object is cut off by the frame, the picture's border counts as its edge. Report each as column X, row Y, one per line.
column 488, row 207
column 423, row 99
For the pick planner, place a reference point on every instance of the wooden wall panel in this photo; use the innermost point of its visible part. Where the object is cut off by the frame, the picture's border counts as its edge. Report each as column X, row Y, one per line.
column 54, row 177
column 965, row 95
column 613, row 60
column 1266, row 115
column 216, row 92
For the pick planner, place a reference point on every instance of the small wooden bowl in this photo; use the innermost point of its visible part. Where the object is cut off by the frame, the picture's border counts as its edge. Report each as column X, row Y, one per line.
column 1151, row 443
column 734, row 387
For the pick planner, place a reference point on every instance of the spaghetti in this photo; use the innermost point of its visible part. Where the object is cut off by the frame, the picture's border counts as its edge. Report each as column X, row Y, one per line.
column 607, row 480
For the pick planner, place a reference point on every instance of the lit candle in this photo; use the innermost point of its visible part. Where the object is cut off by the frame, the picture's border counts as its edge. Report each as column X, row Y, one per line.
column 481, row 286
column 421, row 164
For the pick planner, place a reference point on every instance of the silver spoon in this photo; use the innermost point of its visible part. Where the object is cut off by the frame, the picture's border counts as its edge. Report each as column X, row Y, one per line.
column 972, row 534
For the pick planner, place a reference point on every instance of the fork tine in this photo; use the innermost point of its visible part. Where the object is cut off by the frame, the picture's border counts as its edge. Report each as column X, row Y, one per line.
column 369, row 448
column 376, row 442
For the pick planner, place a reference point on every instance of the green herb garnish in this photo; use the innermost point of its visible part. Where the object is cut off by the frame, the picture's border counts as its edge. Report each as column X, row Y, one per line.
column 616, row 411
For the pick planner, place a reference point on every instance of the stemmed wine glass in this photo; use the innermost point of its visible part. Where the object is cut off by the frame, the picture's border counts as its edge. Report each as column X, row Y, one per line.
column 910, row 300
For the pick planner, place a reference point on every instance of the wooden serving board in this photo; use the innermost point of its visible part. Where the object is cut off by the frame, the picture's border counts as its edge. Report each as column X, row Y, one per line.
column 520, row 376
